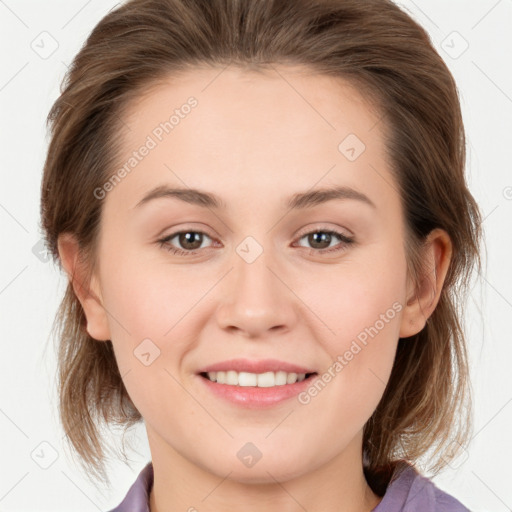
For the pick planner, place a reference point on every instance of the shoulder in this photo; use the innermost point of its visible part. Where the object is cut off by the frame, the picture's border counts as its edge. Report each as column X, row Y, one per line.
column 410, row 491
column 137, row 497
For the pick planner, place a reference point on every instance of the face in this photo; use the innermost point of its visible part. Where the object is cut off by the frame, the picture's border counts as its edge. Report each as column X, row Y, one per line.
column 248, row 262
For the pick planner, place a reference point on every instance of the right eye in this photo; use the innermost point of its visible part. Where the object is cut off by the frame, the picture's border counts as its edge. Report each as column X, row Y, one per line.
column 190, row 240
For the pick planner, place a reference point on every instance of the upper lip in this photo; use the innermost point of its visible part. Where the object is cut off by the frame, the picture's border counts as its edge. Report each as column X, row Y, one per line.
column 258, row 366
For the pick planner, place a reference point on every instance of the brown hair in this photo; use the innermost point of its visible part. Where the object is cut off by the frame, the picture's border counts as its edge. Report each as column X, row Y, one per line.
column 373, row 45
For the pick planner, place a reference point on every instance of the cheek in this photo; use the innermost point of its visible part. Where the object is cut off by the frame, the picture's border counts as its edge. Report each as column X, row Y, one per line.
column 160, row 303
column 151, row 333
column 361, row 306
column 349, row 299
column 151, row 300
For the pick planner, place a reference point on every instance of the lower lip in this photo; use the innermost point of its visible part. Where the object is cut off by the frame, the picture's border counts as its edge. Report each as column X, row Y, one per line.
column 254, row 397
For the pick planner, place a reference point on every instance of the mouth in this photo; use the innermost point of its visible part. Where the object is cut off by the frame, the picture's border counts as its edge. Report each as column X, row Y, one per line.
column 251, row 384
column 260, row 380
column 256, row 391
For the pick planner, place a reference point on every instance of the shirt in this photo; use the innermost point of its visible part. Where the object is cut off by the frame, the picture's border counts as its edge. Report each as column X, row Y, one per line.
column 407, row 491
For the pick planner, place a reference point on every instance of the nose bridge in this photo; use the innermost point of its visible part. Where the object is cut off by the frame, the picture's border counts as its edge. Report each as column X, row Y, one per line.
column 254, row 282
column 256, row 300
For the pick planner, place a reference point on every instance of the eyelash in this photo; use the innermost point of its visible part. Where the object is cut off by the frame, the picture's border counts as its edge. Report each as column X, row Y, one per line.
column 346, row 241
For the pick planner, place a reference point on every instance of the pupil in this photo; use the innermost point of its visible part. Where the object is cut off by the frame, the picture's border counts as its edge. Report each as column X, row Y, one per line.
column 187, row 239
column 325, row 238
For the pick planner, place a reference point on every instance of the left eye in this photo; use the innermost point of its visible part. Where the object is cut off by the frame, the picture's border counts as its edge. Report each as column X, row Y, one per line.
column 191, row 241
column 326, row 237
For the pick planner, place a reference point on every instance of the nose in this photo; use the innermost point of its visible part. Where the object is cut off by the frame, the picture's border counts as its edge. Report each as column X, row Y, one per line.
column 256, row 299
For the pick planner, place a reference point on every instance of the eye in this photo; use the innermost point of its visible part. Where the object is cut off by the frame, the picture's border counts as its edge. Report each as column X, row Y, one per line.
column 190, row 241
column 321, row 241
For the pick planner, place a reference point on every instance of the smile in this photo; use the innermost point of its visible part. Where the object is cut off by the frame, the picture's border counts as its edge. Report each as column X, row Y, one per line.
column 261, row 380
column 256, row 390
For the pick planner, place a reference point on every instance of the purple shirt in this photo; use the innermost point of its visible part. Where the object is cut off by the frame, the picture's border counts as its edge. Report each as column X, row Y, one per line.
column 408, row 491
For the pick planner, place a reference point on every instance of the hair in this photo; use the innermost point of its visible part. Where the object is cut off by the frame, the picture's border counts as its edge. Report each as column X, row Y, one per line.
column 141, row 44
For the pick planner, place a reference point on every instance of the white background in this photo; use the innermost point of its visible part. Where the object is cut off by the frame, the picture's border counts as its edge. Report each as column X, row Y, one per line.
column 30, row 289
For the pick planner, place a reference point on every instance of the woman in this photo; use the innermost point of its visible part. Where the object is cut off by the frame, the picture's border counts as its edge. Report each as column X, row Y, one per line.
column 262, row 210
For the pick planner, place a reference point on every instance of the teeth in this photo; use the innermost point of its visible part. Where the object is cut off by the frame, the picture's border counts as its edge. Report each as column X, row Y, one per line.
column 261, row 380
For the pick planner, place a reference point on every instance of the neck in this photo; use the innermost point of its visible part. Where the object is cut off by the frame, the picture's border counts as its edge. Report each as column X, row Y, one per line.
column 337, row 486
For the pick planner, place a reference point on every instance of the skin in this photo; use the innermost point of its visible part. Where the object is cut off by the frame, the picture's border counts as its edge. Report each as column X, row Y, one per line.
column 254, row 141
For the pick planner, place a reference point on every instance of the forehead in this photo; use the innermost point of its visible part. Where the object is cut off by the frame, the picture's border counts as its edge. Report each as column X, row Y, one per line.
column 234, row 95
column 284, row 129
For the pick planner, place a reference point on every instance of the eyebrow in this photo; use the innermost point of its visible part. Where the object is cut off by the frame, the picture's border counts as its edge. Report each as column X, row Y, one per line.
column 297, row 201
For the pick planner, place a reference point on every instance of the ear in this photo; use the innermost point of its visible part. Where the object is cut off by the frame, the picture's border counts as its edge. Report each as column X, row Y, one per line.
column 437, row 253
column 87, row 292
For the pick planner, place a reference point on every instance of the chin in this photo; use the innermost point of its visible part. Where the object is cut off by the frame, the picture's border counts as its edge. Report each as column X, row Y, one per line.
column 264, row 474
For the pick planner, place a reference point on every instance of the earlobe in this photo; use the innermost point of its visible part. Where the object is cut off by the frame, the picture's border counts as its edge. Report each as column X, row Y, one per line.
column 422, row 302
column 86, row 289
